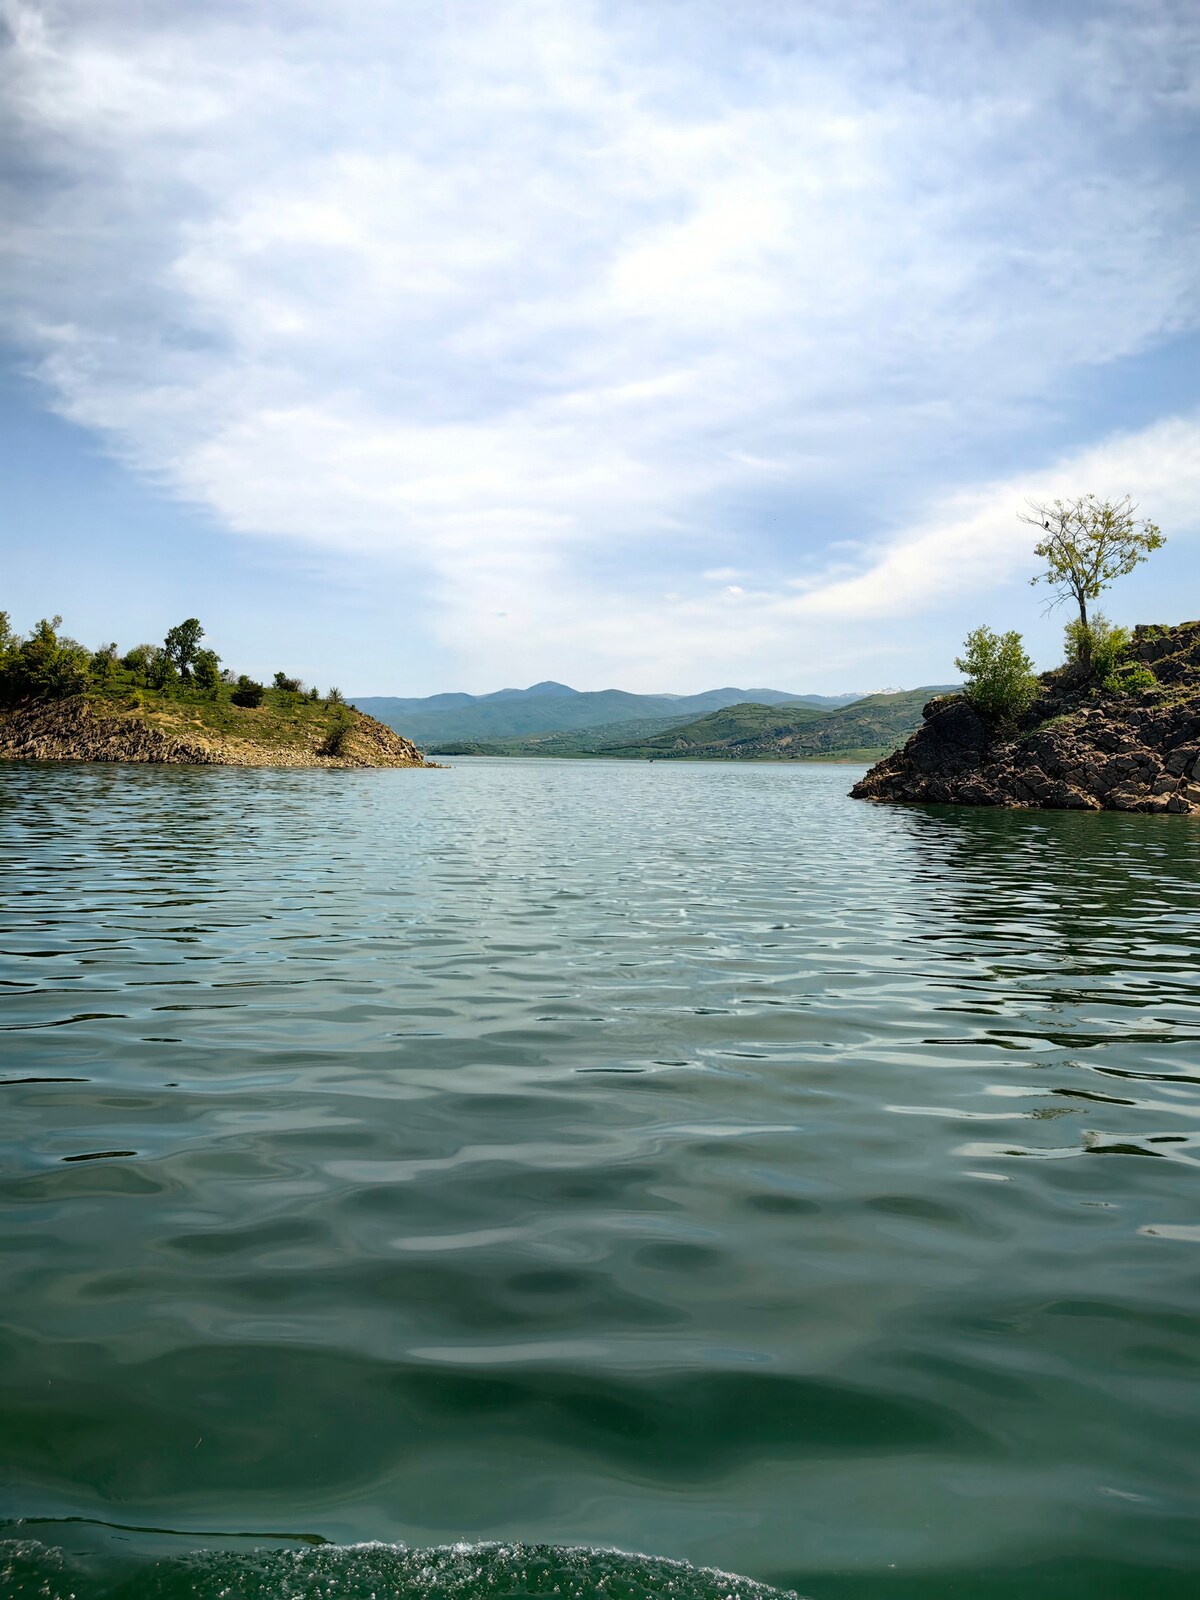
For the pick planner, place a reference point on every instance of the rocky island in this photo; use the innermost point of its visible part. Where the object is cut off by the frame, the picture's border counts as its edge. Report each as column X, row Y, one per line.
column 1079, row 746
column 173, row 704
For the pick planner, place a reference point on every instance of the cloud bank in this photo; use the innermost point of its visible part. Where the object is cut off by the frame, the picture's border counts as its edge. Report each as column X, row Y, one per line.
column 568, row 308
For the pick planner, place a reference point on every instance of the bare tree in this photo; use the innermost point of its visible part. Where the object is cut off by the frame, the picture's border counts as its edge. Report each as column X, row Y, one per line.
column 1088, row 544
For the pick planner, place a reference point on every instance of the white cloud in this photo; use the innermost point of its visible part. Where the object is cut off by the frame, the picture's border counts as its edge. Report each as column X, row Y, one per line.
column 541, row 296
column 968, row 544
column 975, row 538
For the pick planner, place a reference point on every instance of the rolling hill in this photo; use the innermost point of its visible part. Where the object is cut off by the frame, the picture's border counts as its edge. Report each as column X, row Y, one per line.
column 555, row 707
column 744, row 731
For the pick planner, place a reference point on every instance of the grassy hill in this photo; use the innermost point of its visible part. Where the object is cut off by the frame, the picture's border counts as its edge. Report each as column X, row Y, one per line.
column 721, row 732
column 60, row 701
column 147, row 726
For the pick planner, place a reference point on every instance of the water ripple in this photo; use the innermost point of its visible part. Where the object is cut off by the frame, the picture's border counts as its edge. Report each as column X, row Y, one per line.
column 671, row 1158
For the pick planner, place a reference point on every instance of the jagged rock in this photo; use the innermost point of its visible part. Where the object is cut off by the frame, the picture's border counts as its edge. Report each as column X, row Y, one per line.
column 1079, row 748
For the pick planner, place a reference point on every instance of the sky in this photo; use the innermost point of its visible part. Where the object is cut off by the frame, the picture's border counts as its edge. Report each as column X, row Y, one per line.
column 655, row 345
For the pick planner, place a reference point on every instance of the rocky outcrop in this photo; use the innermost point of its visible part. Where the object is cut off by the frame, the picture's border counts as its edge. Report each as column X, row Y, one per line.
column 79, row 730
column 1080, row 748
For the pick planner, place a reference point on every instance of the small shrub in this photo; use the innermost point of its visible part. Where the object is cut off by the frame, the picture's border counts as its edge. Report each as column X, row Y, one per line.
column 340, row 728
column 335, row 697
column 247, row 692
column 1000, row 680
column 1130, row 679
column 288, row 685
column 1097, row 646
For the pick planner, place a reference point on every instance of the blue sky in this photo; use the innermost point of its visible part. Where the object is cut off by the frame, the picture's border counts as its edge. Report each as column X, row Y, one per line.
column 656, row 345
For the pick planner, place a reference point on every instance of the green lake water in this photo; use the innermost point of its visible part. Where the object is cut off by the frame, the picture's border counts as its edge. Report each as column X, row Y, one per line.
column 515, row 1162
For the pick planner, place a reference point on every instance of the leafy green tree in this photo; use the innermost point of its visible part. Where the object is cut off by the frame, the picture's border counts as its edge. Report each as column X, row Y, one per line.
column 1000, row 680
column 181, row 644
column 1089, row 544
column 161, row 671
column 104, row 663
column 286, row 684
column 9, row 645
column 206, row 672
column 139, row 658
column 43, row 666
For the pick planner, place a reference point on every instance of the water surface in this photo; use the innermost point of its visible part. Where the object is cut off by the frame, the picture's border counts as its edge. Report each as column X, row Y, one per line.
column 682, row 1159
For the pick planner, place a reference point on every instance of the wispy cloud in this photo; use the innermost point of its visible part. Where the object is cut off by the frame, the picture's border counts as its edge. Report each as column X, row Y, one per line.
column 561, row 303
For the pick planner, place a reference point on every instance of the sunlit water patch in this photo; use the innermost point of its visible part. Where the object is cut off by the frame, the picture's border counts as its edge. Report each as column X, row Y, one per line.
column 672, row 1158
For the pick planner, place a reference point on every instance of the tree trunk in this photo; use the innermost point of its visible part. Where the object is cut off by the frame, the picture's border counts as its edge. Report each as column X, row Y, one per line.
column 1085, row 638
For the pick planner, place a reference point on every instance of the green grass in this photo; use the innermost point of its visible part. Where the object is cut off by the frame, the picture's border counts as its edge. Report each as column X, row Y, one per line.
column 281, row 721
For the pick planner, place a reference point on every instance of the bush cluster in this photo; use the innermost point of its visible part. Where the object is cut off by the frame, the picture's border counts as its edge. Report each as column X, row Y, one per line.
column 1099, row 652
column 43, row 666
column 340, row 726
column 1000, row 679
column 247, row 693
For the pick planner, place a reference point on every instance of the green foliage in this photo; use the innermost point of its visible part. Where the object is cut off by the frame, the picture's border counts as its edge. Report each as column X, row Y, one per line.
column 247, row 692
column 161, row 672
column 1088, row 544
column 206, row 673
column 180, row 647
column 138, row 660
column 104, row 665
column 1000, row 680
column 43, row 666
column 335, row 697
column 1130, row 678
column 1097, row 645
column 180, row 681
column 340, row 726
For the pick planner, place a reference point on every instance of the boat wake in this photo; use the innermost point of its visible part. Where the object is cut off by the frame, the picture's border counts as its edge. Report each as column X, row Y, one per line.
column 30, row 1569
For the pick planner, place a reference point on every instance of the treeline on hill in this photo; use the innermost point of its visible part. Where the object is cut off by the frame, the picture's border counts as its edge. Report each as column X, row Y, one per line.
column 47, row 664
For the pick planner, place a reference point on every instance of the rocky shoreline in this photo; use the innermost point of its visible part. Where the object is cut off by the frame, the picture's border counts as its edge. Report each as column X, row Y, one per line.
column 74, row 730
column 1079, row 748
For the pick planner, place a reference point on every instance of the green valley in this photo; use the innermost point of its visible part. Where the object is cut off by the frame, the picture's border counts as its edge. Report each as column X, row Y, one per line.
column 863, row 730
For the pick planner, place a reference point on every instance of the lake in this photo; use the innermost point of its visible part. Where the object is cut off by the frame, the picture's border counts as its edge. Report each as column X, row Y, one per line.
column 683, row 1159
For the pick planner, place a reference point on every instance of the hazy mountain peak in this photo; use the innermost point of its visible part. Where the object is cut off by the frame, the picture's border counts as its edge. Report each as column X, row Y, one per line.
column 546, row 690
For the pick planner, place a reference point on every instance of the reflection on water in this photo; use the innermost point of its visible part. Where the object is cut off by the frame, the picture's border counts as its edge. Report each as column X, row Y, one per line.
column 681, row 1159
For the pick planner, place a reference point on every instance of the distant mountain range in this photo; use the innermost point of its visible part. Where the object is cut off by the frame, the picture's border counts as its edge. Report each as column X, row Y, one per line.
column 557, row 708
column 864, row 729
